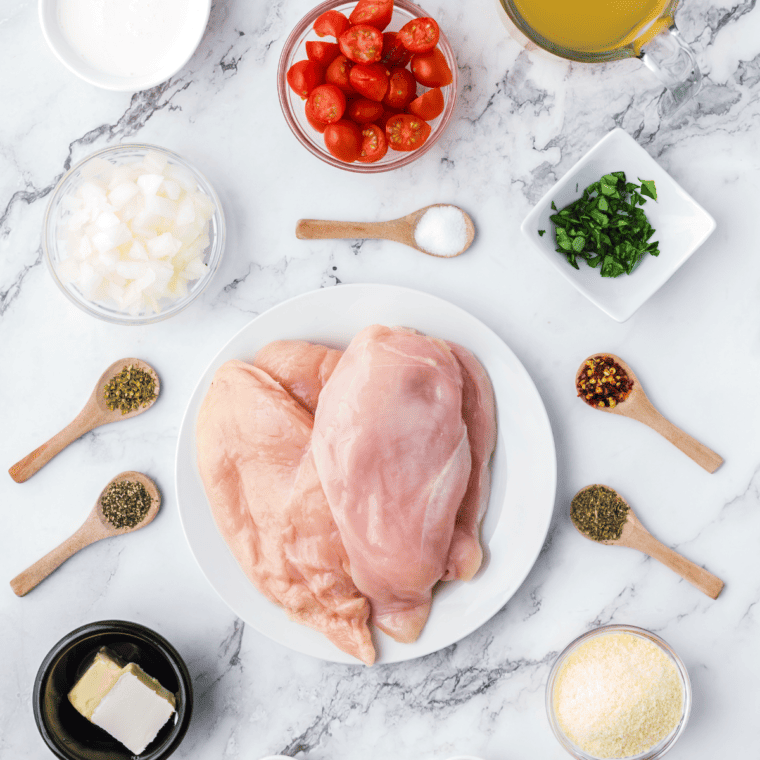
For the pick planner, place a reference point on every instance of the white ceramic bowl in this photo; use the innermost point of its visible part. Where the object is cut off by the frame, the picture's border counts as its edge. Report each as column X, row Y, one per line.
column 178, row 53
column 681, row 226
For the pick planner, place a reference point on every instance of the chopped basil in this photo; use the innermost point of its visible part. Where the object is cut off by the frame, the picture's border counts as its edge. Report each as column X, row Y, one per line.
column 606, row 226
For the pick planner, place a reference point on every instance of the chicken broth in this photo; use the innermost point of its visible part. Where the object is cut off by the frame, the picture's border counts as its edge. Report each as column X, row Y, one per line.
column 590, row 26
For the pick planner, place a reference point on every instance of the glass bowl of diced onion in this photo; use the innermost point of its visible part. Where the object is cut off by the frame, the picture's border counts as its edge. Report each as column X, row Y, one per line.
column 133, row 234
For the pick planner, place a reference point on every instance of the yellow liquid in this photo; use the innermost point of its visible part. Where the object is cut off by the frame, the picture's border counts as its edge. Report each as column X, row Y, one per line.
column 590, row 26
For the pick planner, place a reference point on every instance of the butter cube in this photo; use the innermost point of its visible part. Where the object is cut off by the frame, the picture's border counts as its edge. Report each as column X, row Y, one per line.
column 97, row 681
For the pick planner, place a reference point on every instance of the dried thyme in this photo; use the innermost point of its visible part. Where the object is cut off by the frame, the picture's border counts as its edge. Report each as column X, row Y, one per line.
column 599, row 513
column 125, row 503
column 131, row 389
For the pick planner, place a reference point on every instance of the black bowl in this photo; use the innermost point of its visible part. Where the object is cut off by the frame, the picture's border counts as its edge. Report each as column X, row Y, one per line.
column 69, row 735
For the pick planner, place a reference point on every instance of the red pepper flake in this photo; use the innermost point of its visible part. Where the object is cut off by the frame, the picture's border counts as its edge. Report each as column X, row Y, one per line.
column 603, row 383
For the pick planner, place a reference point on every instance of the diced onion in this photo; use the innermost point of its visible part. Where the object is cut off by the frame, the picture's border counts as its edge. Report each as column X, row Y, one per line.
column 135, row 233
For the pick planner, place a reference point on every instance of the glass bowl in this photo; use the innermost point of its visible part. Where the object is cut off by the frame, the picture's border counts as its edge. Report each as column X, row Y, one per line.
column 69, row 735
column 60, row 209
column 293, row 106
column 665, row 744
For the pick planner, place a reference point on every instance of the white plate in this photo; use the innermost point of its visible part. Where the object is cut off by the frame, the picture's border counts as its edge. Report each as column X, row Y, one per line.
column 524, row 466
column 681, row 226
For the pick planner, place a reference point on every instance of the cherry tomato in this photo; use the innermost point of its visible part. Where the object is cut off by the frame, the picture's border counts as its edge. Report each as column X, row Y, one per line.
column 377, row 13
column 428, row 106
column 327, row 103
column 430, row 69
column 304, row 76
column 387, row 113
column 374, row 145
column 361, row 44
column 323, row 53
column 313, row 120
column 406, row 132
column 331, row 23
column 344, row 140
column 370, row 80
column 364, row 110
column 394, row 53
column 338, row 74
column 402, row 89
column 419, row 35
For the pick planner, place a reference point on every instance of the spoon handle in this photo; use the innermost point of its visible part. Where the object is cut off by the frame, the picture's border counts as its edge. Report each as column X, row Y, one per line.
column 645, row 412
column 24, row 582
column 322, row 229
column 25, row 468
column 706, row 582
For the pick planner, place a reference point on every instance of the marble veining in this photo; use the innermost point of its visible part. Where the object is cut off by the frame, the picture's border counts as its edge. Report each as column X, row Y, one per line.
column 522, row 120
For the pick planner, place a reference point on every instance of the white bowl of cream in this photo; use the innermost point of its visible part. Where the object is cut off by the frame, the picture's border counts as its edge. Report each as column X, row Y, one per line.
column 127, row 45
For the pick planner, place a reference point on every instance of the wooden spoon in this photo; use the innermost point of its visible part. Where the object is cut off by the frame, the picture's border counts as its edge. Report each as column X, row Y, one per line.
column 636, row 536
column 638, row 407
column 399, row 230
column 94, row 414
column 94, row 528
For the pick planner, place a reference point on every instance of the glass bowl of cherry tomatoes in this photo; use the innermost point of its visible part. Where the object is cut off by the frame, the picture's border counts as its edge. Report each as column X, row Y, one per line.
column 367, row 86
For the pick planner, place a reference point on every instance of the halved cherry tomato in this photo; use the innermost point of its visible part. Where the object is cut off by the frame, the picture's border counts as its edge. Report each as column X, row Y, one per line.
column 430, row 69
column 419, row 35
column 320, row 126
column 374, row 145
column 428, row 106
column 406, row 132
column 364, row 110
column 331, row 23
column 377, row 13
column 327, row 103
column 323, row 53
column 304, row 76
column 338, row 74
column 387, row 114
column 361, row 44
column 344, row 140
column 370, row 80
column 394, row 53
column 402, row 89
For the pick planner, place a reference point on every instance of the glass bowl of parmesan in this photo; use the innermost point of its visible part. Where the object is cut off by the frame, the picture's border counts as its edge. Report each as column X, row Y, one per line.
column 618, row 692
column 133, row 234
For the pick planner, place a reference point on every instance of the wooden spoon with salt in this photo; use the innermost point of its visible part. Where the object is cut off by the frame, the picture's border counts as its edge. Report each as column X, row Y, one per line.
column 637, row 406
column 636, row 536
column 94, row 414
column 399, row 230
column 94, row 528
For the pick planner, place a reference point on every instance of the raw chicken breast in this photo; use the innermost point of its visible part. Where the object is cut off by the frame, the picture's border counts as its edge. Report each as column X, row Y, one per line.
column 267, row 501
column 301, row 368
column 479, row 412
column 392, row 452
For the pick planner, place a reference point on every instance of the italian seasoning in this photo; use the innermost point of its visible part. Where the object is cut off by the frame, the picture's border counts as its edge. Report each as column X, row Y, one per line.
column 599, row 513
column 125, row 503
column 603, row 382
column 131, row 389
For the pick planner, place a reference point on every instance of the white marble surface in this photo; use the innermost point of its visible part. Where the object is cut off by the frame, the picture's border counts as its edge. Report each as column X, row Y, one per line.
column 522, row 120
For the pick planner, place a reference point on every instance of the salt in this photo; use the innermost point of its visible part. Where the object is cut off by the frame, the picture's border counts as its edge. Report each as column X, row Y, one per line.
column 441, row 231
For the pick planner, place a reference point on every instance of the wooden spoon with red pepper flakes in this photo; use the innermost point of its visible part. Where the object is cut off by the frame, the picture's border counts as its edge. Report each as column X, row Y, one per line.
column 606, row 382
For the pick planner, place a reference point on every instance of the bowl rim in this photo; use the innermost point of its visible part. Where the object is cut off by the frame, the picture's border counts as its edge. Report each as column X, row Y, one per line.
column 300, row 29
column 185, row 708
column 214, row 259
column 665, row 744
column 113, row 82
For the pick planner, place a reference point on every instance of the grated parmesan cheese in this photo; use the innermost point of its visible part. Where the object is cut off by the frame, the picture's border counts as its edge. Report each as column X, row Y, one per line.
column 617, row 695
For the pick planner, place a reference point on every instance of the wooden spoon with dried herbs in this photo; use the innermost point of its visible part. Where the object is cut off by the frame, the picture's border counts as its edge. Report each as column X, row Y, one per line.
column 605, row 382
column 127, row 388
column 600, row 514
column 129, row 502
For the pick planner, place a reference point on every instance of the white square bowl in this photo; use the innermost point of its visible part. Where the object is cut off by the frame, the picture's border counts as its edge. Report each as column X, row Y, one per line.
column 681, row 225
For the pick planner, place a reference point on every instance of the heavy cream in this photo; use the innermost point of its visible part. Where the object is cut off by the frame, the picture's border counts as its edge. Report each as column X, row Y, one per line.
column 132, row 38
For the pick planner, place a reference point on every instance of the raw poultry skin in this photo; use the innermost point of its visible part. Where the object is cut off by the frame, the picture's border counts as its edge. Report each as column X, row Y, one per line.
column 256, row 464
column 393, row 454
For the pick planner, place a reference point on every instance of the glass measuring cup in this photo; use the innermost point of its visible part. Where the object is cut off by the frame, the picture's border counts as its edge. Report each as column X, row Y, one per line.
column 652, row 37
